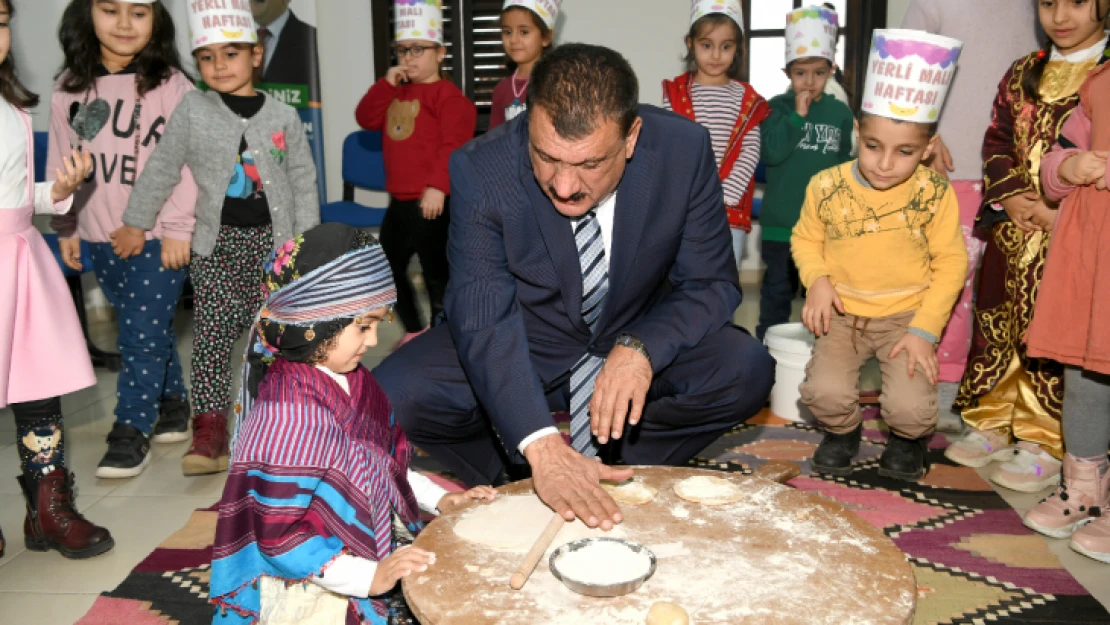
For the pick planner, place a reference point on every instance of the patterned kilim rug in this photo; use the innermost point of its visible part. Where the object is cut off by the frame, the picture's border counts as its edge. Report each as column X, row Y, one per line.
column 975, row 562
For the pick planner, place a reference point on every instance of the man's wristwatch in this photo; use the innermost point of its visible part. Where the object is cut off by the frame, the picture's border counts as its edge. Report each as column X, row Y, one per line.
column 632, row 342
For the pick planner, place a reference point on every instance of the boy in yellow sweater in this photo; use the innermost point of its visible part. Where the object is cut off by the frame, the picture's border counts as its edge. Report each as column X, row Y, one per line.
column 880, row 250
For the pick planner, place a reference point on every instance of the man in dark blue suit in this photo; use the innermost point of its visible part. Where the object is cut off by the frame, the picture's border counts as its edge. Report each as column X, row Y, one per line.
column 589, row 250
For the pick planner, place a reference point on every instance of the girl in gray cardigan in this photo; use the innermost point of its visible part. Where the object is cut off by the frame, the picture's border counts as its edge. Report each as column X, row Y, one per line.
column 257, row 191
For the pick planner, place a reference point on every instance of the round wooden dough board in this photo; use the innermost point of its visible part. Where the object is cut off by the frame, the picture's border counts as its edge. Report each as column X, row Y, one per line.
column 780, row 556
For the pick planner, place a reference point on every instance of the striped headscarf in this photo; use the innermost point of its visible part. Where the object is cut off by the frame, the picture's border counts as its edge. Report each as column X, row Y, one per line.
column 315, row 285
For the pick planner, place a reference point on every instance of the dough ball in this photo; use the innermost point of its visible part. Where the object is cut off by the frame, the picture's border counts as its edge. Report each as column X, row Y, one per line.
column 709, row 491
column 666, row 613
column 631, row 492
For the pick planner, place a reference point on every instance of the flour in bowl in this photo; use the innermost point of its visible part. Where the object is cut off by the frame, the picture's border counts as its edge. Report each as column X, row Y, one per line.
column 603, row 563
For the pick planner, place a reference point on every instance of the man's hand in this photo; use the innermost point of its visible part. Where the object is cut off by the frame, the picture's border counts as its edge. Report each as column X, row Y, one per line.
column 1019, row 207
column 1084, row 168
column 454, row 501
column 918, row 352
column 175, row 253
column 399, row 564
column 619, row 393
column 69, row 177
column 128, row 241
column 821, row 300
column 802, row 100
column 941, row 160
column 569, row 483
column 431, row 205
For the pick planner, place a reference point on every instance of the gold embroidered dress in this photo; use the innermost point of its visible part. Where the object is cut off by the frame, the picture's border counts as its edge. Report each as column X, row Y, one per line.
column 1003, row 389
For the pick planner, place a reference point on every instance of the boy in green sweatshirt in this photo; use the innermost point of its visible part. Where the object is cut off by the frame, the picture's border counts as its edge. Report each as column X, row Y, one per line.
column 806, row 133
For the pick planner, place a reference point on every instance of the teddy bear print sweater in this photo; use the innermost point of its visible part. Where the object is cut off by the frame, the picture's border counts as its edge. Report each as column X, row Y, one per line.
column 421, row 125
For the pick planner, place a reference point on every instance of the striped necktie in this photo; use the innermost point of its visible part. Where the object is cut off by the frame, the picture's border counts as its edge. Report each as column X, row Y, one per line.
column 595, row 285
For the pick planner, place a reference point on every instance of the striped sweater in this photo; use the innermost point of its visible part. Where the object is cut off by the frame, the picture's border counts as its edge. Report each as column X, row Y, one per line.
column 716, row 107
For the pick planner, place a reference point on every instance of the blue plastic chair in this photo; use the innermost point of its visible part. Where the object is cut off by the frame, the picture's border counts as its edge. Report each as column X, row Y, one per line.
column 760, row 177
column 100, row 358
column 364, row 168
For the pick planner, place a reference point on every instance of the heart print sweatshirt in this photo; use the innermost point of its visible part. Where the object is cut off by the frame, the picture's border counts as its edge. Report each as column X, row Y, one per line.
column 103, row 122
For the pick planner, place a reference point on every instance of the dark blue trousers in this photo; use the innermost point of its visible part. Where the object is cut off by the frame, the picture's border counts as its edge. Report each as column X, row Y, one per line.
column 144, row 294
column 721, row 382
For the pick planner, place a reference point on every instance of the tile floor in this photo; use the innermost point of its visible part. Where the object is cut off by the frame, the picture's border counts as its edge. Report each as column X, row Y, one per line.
column 46, row 588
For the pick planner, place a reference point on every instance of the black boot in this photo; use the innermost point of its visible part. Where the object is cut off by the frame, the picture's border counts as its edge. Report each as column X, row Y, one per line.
column 905, row 459
column 2, row 543
column 835, row 453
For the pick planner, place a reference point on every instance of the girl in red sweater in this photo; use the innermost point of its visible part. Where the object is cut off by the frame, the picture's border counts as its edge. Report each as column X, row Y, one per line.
column 423, row 119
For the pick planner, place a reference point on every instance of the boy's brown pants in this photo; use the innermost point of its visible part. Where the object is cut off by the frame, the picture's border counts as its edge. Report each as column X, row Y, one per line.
column 831, row 389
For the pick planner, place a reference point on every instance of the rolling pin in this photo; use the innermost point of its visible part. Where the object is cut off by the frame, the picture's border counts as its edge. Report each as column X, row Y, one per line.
column 536, row 552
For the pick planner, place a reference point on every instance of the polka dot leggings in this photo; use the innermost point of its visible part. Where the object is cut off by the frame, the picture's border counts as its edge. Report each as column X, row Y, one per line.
column 144, row 294
column 227, row 287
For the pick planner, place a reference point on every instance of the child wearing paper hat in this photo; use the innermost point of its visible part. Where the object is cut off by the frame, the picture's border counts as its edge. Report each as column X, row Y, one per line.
column 807, row 132
column 236, row 133
column 711, row 93
column 880, row 250
column 527, row 33
column 424, row 119
column 137, row 80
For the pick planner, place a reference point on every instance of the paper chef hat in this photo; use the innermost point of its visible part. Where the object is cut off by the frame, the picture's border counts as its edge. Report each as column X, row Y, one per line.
column 220, row 22
column 418, row 19
column 548, row 10
column 909, row 73
column 731, row 8
column 811, row 32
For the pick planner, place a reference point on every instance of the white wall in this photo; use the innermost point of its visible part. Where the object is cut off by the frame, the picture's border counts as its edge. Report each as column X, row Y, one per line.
column 652, row 41
column 895, row 11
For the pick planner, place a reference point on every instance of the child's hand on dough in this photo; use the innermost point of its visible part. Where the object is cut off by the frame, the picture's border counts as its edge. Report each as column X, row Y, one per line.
column 454, row 501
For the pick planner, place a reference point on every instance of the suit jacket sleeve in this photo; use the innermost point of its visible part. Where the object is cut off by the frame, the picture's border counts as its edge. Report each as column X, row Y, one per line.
column 484, row 317
column 704, row 279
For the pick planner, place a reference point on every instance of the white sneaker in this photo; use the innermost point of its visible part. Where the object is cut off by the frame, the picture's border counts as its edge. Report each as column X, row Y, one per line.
column 980, row 448
column 1031, row 470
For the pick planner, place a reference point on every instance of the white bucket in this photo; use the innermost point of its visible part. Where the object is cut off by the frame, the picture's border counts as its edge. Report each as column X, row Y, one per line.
column 791, row 345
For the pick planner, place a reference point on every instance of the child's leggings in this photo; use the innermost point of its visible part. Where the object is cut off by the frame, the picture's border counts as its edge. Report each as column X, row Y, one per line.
column 144, row 294
column 1086, row 413
column 227, row 287
column 38, row 427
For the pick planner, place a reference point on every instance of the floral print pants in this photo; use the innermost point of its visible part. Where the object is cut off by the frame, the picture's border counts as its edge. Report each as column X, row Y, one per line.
column 228, row 293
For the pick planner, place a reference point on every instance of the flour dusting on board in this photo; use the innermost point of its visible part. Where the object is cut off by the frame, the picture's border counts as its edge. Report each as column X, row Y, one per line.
column 778, row 555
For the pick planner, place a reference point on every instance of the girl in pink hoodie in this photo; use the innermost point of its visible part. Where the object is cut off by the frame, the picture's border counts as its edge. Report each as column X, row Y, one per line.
column 121, row 80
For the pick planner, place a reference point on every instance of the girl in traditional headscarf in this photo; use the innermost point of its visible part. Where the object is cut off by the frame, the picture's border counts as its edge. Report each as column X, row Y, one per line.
column 319, row 474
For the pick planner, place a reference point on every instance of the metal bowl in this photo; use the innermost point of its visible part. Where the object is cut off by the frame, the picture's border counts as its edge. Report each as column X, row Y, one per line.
column 600, row 590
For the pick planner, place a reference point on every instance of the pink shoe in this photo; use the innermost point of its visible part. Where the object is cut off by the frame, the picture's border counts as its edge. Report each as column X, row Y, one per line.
column 980, row 448
column 1093, row 539
column 1080, row 498
column 408, row 337
column 1030, row 470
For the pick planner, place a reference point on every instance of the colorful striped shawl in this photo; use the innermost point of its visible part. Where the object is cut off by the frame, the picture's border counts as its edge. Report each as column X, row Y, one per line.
column 316, row 474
